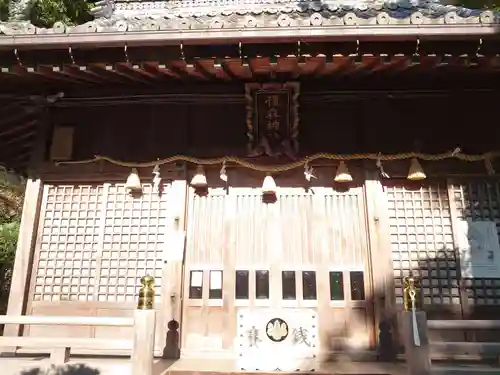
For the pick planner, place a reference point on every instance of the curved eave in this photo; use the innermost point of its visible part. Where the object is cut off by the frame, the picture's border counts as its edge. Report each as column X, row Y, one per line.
column 261, row 35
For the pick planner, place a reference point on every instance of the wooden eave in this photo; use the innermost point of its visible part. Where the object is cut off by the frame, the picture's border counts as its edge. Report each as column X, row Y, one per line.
column 153, row 66
column 268, row 35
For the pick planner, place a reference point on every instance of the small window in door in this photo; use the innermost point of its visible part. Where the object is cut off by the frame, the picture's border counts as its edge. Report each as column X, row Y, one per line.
column 196, row 284
column 261, row 284
column 288, row 286
column 336, row 286
column 215, row 288
column 309, row 285
column 242, row 285
column 357, row 286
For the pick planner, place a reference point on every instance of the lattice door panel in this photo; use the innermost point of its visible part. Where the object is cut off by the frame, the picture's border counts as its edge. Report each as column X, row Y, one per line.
column 477, row 201
column 133, row 243
column 422, row 241
column 95, row 242
column 69, row 243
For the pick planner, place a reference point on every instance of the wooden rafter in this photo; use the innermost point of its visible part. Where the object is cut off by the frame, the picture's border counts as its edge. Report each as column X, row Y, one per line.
column 160, row 70
column 152, row 73
column 80, row 73
column 8, row 131
column 57, row 74
column 237, row 68
column 135, row 73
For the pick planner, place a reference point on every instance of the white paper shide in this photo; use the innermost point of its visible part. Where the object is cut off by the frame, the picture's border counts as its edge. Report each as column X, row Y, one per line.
column 479, row 249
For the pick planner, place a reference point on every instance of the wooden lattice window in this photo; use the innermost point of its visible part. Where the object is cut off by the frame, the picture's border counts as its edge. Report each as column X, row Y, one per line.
column 479, row 200
column 422, row 241
column 97, row 241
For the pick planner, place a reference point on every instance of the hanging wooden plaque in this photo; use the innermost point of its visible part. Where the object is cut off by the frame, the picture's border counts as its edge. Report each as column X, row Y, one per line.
column 272, row 118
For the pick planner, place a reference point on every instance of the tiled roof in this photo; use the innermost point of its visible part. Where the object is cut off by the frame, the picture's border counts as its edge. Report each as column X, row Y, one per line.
column 122, row 15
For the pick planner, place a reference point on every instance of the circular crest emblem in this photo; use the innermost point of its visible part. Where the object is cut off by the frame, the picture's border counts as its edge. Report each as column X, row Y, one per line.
column 277, row 330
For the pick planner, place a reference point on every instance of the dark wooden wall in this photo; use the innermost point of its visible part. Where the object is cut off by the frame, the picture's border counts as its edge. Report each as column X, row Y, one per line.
column 328, row 123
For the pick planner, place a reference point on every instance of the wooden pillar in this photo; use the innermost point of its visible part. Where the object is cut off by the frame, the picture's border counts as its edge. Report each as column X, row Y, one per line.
column 418, row 360
column 144, row 342
column 380, row 255
column 24, row 253
column 21, row 274
column 172, row 271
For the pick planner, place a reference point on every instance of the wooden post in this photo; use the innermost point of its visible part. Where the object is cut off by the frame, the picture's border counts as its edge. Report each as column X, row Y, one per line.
column 23, row 263
column 59, row 356
column 144, row 342
column 418, row 360
column 381, row 264
column 172, row 270
column 24, row 254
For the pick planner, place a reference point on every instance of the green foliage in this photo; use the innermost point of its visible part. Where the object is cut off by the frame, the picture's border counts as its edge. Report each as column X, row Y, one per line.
column 8, row 242
column 44, row 13
column 478, row 4
column 4, row 10
column 11, row 199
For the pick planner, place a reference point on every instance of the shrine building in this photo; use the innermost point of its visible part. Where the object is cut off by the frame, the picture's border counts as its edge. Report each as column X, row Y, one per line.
column 277, row 166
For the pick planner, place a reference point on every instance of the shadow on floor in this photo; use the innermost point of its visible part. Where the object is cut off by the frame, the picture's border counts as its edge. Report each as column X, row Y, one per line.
column 79, row 369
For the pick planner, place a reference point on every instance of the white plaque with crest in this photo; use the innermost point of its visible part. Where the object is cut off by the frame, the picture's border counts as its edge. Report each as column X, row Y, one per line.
column 277, row 340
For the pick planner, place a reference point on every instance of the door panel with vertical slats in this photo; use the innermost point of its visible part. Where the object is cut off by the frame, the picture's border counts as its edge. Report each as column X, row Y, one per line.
column 306, row 251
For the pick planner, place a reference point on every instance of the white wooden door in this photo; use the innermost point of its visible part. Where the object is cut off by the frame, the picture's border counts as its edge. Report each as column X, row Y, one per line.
column 248, row 262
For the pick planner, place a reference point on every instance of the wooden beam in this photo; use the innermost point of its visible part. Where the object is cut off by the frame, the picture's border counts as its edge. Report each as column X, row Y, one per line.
column 15, row 129
column 19, row 71
column 426, row 63
column 12, row 74
column 339, row 64
column 135, row 73
column 397, row 62
column 236, row 68
column 215, row 69
column 262, row 66
column 160, row 70
column 187, row 69
column 58, row 74
column 288, row 65
column 206, row 68
column 91, row 73
column 310, row 65
column 106, row 73
column 366, row 64
column 80, row 73
column 490, row 63
column 22, row 137
column 41, row 320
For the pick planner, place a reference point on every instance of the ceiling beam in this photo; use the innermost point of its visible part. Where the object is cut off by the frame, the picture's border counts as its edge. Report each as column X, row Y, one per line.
column 160, row 70
column 18, row 128
column 107, row 72
column 57, row 74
